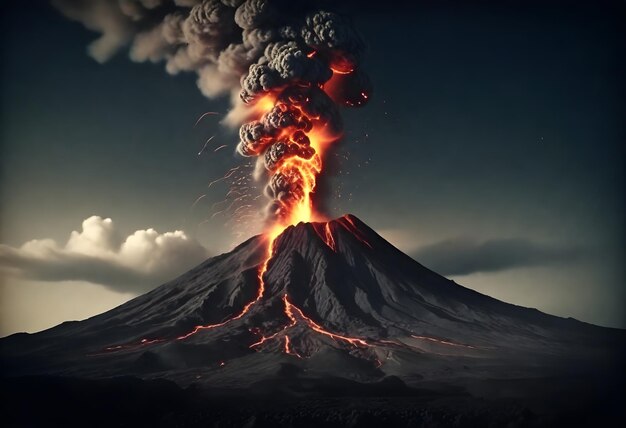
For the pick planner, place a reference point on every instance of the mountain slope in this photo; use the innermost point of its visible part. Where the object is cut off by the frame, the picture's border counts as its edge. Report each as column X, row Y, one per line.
column 332, row 299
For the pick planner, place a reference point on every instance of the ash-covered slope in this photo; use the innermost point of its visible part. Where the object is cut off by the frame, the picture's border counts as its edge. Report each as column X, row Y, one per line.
column 332, row 299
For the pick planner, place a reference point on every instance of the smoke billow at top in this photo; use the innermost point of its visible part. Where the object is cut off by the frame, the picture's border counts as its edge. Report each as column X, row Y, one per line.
column 286, row 65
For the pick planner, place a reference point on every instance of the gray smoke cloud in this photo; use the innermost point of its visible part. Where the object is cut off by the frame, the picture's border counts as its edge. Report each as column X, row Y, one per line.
column 464, row 256
column 245, row 49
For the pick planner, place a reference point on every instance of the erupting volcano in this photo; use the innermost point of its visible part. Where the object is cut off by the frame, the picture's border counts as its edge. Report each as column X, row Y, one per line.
column 330, row 298
column 318, row 310
column 312, row 306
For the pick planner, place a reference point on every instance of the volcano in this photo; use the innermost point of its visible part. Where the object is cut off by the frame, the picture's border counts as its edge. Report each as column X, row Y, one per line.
column 322, row 301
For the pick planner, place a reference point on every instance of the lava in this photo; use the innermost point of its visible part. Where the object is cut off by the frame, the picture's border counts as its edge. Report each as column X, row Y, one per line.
column 264, row 339
column 326, row 235
column 295, row 314
column 330, row 241
column 248, row 306
column 290, row 308
column 288, row 349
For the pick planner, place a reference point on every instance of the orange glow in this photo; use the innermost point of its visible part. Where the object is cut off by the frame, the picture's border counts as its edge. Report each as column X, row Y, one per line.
column 342, row 65
column 265, row 103
column 303, row 173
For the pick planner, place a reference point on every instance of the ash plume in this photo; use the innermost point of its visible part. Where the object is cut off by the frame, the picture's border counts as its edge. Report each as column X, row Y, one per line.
column 287, row 67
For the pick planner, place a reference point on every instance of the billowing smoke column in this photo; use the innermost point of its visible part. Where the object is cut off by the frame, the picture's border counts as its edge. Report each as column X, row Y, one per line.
column 287, row 66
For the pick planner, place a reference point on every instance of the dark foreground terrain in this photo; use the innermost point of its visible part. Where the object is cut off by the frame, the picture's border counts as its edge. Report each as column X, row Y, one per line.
column 131, row 402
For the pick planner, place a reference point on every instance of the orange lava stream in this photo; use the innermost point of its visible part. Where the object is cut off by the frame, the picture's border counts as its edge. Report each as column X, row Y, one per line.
column 330, row 241
column 246, row 309
column 264, row 339
column 289, row 311
column 288, row 349
column 293, row 313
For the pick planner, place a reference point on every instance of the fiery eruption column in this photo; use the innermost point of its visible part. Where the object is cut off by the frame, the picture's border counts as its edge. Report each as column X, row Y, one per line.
column 298, row 86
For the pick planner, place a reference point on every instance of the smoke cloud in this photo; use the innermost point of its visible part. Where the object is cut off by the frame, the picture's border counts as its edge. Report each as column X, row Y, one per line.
column 304, row 59
column 99, row 254
column 464, row 256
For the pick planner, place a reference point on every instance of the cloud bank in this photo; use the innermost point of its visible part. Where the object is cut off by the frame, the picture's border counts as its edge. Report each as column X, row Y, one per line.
column 99, row 254
column 464, row 256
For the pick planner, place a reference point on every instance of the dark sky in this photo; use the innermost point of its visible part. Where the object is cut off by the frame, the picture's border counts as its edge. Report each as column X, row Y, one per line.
column 492, row 149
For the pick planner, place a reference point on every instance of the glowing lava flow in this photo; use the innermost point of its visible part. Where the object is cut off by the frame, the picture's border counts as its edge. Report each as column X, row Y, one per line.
column 293, row 313
column 246, row 309
column 288, row 349
column 289, row 311
column 330, row 241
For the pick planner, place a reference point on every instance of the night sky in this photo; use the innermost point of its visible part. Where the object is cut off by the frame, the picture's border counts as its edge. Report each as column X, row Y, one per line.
column 492, row 151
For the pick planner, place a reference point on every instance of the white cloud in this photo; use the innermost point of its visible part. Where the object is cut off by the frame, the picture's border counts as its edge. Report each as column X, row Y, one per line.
column 99, row 254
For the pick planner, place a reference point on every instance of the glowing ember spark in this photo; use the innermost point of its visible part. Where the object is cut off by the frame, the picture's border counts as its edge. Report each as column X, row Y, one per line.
column 205, row 144
column 208, row 113
column 227, row 175
column 197, row 200
column 220, row 148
